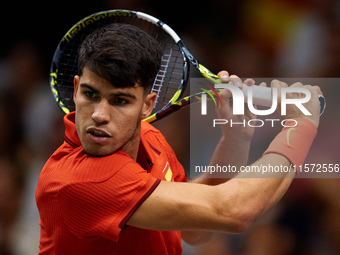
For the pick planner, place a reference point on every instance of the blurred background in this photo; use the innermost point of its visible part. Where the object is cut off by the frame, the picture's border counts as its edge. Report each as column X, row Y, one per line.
column 250, row 38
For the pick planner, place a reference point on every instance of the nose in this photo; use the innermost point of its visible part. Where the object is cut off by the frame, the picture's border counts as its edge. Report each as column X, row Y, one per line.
column 101, row 114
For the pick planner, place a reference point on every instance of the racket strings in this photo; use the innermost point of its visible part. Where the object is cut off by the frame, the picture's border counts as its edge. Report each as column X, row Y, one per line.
column 169, row 76
column 159, row 80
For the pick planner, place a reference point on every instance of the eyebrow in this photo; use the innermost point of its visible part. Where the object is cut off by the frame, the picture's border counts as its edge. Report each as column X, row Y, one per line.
column 114, row 94
column 84, row 85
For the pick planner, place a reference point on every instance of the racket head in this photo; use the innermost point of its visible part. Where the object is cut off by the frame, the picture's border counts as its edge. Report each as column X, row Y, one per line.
column 169, row 83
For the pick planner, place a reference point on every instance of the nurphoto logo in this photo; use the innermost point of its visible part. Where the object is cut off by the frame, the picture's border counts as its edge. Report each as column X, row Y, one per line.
column 239, row 99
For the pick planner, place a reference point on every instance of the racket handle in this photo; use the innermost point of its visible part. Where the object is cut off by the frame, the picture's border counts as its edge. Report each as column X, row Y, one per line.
column 263, row 96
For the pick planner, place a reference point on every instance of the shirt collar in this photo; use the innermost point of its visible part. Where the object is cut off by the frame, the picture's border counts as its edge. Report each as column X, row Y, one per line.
column 151, row 151
column 71, row 136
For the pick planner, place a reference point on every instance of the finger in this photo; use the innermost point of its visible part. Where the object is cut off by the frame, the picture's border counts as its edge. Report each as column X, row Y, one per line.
column 249, row 82
column 225, row 95
column 263, row 84
column 309, row 87
column 278, row 84
column 317, row 88
column 224, row 75
column 297, row 84
column 236, row 81
column 314, row 89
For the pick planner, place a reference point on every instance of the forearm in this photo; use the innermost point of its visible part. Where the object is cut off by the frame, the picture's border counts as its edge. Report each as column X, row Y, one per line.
column 254, row 195
column 231, row 151
column 244, row 199
column 228, row 152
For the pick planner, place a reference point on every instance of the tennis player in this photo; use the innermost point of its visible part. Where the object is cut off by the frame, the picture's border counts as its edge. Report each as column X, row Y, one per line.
column 115, row 186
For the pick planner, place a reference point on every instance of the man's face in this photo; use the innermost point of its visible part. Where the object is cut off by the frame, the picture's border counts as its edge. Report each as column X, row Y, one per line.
column 109, row 118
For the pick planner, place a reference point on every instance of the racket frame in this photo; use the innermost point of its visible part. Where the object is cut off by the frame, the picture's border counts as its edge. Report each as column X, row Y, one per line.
column 75, row 29
column 174, row 103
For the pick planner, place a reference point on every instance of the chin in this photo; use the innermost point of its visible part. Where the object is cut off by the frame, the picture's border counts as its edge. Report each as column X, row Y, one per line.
column 98, row 151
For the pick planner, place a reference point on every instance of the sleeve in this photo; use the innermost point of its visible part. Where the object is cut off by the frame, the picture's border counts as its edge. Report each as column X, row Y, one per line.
column 155, row 137
column 179, row 174
column 92, row 209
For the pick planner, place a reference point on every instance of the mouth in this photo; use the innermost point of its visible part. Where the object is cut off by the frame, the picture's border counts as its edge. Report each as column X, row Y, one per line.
column 98, row 134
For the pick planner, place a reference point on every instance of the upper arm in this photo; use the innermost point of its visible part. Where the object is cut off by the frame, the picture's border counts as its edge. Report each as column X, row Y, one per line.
column 179, row 206
column 230, row 207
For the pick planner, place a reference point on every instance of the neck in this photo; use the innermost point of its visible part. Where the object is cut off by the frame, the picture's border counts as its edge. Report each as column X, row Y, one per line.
column 132, row 146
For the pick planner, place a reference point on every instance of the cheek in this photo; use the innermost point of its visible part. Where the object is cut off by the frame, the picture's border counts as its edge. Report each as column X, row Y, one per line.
column 128, row 114
column 83, row 119
column 125, row 124
column 80, row 114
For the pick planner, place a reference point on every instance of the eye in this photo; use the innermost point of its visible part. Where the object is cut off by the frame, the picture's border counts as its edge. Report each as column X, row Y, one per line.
column 90, row 94
column 120, row 101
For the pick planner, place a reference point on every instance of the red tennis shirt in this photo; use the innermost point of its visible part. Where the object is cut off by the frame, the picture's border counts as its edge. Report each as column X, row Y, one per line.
column 85, row 201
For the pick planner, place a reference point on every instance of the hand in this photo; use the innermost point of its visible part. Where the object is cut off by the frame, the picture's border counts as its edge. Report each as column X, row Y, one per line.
column 313, row 105
column 225, row 111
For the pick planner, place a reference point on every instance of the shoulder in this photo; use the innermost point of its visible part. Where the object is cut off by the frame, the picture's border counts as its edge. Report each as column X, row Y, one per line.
column 158, row 143
column 152, row 134
column 155, row 138
column 74, row 164
column 148, row 128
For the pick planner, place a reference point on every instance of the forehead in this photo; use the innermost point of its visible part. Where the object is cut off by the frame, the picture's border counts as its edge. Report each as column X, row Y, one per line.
column 101, row 84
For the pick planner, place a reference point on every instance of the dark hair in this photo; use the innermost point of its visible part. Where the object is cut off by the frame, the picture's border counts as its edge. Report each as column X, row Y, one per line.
column 122, row 54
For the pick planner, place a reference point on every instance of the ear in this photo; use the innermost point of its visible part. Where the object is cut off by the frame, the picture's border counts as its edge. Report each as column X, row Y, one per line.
column 148, row 105
column 76, row 81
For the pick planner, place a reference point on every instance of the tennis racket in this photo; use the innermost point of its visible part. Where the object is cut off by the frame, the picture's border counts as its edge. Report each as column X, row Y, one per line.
column 171, row 79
